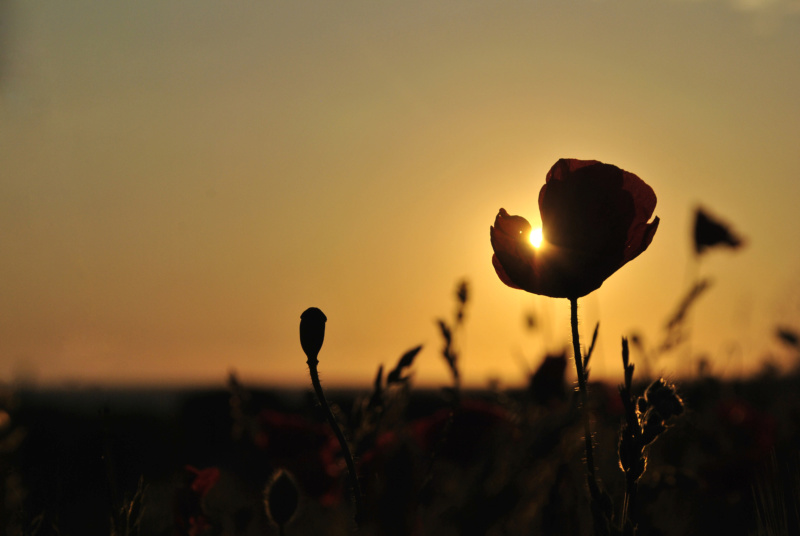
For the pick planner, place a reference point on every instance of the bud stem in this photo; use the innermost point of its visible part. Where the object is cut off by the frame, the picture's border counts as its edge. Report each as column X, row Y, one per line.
column 348, row 457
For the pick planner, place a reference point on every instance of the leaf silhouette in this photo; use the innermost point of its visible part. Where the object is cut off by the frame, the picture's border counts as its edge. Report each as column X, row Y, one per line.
column 395, row 376
column 591, row 346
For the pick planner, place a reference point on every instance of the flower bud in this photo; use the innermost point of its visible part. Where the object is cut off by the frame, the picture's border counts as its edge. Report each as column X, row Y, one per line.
column 282, row 498
column 662, row 398
column 312, row 332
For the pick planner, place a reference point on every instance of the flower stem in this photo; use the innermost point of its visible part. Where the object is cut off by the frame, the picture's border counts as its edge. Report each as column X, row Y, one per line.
column 591, row 477
column 348, row 457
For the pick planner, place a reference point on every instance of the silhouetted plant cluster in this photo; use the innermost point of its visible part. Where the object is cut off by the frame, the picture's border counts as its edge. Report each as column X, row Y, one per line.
column 645, row 420
column 383, row 443
column 396, row 460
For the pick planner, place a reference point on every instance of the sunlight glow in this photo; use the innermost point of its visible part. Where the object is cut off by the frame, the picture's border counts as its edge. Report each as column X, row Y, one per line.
column 536, row 237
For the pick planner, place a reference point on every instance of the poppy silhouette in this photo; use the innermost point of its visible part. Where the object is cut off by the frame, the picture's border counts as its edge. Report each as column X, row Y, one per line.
column 594, row 220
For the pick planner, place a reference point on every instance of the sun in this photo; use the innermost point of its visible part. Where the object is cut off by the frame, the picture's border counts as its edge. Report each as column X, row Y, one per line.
column 536, row 237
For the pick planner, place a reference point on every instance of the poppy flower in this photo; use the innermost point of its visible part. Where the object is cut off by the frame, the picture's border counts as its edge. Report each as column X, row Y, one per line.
column 710, row 232
column 594, row 220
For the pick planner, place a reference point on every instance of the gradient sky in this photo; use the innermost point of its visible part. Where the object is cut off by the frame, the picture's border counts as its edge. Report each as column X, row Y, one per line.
column 180, row 180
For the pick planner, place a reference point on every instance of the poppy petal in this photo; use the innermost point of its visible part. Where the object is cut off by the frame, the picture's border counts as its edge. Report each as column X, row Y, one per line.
column 513, row 252
column 586, row 209
column 501, row 273
column 641, row 237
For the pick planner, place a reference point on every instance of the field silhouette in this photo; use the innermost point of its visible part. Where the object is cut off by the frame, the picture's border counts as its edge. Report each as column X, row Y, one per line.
column 646, row 456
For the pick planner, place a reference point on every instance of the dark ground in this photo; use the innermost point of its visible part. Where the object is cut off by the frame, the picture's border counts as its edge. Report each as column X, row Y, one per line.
column 505, row 463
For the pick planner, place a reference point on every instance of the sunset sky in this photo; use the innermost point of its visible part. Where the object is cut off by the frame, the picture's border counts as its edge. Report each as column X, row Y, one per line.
column 180, row 180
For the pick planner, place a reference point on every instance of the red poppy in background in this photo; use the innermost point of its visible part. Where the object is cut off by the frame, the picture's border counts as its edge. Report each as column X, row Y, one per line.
column 190, row 514
column 594, row 220
column 307, row 449
column 204, row 479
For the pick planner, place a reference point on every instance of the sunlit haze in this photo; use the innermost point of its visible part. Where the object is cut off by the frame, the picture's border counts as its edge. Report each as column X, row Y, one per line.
column 181, row 180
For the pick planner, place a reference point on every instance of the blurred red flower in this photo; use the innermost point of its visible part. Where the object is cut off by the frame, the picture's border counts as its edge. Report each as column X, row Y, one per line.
column 190, row 516
column 594, row 220
column 754, row 432
column 467, row 430
column 204, row 479
column 309, row 450
column 547, row 386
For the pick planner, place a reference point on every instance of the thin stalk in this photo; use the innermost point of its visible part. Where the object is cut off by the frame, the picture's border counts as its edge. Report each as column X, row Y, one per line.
column 591, row 477
column 348, row 456
column 630, row 436
column 629, row 506
column 576, row 346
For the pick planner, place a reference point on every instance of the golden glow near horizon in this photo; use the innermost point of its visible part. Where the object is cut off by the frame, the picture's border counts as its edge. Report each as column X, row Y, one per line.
column 179, row 184
column 536, row 237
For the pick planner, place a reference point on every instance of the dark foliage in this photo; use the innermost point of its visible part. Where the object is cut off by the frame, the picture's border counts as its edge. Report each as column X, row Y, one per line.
column 710, row 232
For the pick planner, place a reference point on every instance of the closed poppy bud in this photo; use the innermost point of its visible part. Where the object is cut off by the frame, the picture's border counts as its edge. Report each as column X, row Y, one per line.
column 312, row 332
column 547, row 383
column 282, row 498
column 595, row 218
